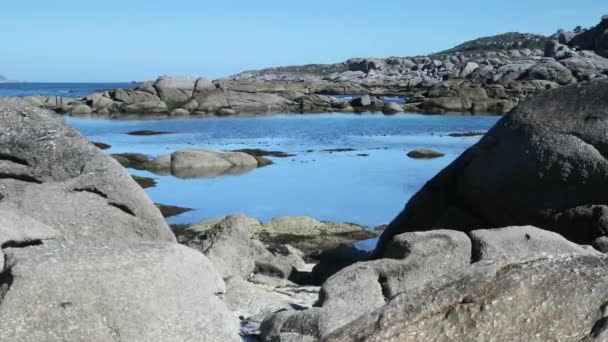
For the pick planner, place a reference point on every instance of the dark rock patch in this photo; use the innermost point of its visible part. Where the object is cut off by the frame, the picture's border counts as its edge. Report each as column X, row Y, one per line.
column 148, row 133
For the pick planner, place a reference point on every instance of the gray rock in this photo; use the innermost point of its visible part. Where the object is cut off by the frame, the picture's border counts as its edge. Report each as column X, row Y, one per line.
column 180, row 112
column 81, row 109
column 392, row 108
column 175, row 91
column 412, row 261
column 520, row 243
column 227, row 245
column 320, row 103
column 151, row 107
column 129, row 97
column 209, row 163
column 256, row 302
column 114, row 293
column 269, row 264
column 517, row 173
column 549, row 69
column 55, row 176
column 562, row 299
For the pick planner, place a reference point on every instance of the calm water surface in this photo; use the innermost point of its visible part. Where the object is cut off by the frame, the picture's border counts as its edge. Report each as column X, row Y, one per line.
column 74, row 90
column 339, row 186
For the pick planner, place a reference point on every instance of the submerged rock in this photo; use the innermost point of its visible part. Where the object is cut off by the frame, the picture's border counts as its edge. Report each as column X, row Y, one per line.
column 101, row 146
column 171, row 210
column 424, row 154
column 148, row 133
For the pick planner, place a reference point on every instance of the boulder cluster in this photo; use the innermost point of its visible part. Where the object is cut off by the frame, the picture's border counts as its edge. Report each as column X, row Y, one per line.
column 463, row 262
column 493, row 79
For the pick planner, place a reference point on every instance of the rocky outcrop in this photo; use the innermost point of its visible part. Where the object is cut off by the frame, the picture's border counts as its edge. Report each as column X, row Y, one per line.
column 187, row 164
column 260, row 279
column 409, row 293
column 302, row 232
column 203, row 163
column 82, row 246
column 517, row 173
column 486, row 302
column 491, row 74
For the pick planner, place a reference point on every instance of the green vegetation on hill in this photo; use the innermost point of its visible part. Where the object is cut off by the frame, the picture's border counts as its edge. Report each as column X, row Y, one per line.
column 308, row 69
column 505, row 41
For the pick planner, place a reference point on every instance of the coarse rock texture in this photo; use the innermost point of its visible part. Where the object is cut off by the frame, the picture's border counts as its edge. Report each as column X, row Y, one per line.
column 227, row 245
column 85, row 254
column 446, row 293
column 543, row 165
column 520, row 242
column 413, row 260
column 114, row 293
column 560, row 299
column 302, row 232
column 52, row 174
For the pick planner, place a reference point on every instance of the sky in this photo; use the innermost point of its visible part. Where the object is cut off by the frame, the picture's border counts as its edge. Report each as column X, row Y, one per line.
column 135, row 40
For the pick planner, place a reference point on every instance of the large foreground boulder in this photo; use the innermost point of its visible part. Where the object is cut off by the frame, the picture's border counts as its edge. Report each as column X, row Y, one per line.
column 51, row 173
column 557, row 299
column 544, row 164
column 85, row 255
column 142, row 292
column 422, row 267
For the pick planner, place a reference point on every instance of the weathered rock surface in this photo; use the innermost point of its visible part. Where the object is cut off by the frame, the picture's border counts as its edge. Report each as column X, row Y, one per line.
column 413, row 260
column 204, row 163
column 559, row 298
column 520, row 242
column 114, row 293
column 227, row 245
column 543, row 165
column 304, row 233
column 55, row 176
column 85, row 255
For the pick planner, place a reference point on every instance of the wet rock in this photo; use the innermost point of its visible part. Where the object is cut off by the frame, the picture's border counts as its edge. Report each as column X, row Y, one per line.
column 424, row 154
column 147, row 132
column 263, row 153
column 145, row 182
column 101, row 145
column 171, row 210
column 466, row 134
column 392, row 108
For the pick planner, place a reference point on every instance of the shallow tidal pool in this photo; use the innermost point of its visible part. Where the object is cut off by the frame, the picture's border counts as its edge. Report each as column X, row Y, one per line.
column 368, row 185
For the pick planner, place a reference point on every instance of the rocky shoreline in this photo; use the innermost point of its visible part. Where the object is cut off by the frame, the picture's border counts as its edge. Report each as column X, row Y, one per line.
column 504, row 244
column 471, row 78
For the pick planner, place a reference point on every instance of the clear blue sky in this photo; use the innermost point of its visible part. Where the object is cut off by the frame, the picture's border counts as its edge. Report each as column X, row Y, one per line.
column 125, row 40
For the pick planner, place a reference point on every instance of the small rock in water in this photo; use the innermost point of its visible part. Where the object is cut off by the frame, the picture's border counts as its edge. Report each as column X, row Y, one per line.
column 170, row 210
column 339, row 150
column 256, row 152
column 101, row 145
column 144, row 182
column 466, row 134
column 425, row 154
column 148, row 132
